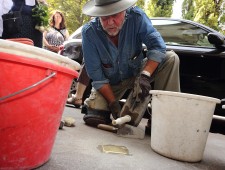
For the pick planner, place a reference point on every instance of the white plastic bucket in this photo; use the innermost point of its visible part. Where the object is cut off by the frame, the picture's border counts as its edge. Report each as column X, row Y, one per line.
column 180, row 124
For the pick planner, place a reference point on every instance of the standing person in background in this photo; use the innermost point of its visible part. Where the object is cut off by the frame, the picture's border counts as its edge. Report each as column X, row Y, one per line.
column 28, row 27
column 4, row 8
column 57, row 33
column 82, row 83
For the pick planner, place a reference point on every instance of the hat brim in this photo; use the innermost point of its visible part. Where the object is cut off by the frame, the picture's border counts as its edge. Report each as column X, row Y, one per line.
column 106, row 10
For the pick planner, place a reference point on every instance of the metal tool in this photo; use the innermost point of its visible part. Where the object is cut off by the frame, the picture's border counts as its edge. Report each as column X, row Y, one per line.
column 124, row 130
column 129, row 131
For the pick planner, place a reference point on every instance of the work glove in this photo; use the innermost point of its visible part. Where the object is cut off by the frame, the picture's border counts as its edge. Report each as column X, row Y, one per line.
column 138, row 99
column 142, row 87
column 115, row 108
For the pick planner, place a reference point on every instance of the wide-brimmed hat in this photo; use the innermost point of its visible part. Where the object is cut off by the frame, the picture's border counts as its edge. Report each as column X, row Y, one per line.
column 97, row 8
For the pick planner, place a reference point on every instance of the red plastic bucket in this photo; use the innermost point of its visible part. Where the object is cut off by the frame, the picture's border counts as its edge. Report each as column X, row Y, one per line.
column 32, row 98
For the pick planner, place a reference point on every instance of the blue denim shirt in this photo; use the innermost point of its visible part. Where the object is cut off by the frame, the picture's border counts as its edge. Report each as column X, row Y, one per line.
column 105, row 63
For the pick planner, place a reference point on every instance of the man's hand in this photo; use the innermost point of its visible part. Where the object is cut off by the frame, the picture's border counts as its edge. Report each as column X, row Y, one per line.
column 142, row 87
column 115, row 108
column 53, row 48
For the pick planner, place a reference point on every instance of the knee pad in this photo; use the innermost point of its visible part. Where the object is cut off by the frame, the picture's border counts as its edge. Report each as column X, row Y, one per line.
column 95, row 117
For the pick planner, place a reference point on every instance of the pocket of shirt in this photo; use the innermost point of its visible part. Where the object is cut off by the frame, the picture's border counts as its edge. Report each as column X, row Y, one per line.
column 135, row 62
column 107, row 65
column 108, row 69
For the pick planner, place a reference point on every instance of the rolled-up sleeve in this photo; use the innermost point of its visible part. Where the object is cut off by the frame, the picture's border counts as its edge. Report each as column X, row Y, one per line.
column 156, row 47
column 152, row 39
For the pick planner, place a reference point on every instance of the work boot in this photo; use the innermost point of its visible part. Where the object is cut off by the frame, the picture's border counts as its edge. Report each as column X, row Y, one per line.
column 84, row 109
column 95, row 117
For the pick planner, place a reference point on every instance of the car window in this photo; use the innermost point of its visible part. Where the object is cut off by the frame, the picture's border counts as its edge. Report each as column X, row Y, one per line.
column 181, row 33
column 76, row 34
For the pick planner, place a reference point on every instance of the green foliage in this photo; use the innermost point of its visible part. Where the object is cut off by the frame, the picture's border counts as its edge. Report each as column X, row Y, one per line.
column 221, row 19
column 72, row 10
column 188, row 9
column 206, row 12
column 160, row 8
column 41, row 15
column 141, row 4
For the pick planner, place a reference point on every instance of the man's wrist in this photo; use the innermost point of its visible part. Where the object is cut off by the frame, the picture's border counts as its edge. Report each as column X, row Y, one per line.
column 146, row 73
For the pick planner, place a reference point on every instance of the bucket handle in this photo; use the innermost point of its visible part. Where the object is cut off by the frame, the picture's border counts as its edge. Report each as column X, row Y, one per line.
column 27, row 88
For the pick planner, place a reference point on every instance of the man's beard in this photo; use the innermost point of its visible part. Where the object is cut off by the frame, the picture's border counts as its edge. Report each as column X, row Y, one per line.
column 113, row 34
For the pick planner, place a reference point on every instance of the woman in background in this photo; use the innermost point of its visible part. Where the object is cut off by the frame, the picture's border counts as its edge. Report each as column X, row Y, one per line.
column 28, row 27
column 57, row 33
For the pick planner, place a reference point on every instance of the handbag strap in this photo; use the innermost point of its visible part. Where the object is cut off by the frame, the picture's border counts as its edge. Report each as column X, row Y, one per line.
column 60, row 33
column 21, row 7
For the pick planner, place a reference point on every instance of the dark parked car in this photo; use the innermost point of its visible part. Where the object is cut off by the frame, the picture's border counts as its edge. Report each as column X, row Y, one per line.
column 201, row 51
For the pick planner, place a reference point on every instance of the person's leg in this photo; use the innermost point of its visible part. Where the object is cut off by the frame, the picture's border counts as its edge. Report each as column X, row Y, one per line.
column 83, row 82
column 76, row 98
column 83, row 77
column 168, row 77
column 97, row 107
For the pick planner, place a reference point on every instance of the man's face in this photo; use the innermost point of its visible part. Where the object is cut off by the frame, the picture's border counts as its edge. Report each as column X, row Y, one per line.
column 112, row 24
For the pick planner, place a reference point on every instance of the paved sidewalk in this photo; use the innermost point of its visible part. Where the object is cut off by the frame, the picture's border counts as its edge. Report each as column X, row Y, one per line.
column 78, row 148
